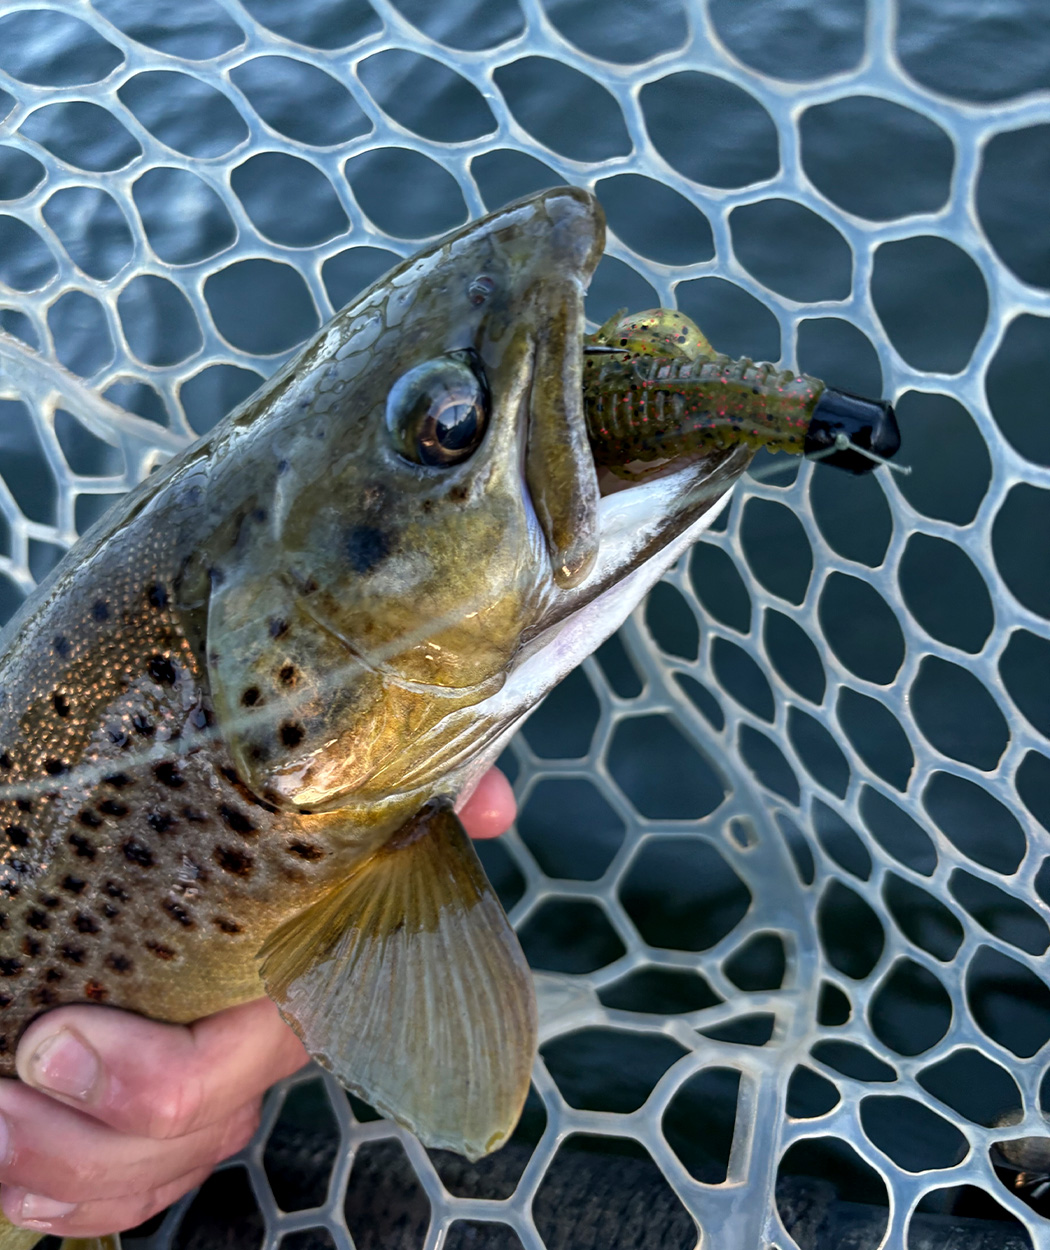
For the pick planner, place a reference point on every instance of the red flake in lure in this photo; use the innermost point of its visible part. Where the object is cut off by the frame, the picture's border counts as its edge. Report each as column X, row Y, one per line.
column 655, row 391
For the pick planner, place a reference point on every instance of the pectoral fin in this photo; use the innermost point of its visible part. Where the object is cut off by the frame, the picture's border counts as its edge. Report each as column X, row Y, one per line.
column 408, row 983
column 14, row 1238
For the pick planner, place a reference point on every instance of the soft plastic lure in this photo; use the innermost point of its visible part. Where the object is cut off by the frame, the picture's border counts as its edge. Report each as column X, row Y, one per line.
column 656, row 392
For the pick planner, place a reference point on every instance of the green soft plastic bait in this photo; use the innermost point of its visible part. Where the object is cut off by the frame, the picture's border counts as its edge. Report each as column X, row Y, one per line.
column 656, row 391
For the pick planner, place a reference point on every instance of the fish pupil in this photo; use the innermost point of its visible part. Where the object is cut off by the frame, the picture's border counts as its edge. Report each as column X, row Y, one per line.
column 457, row 426
column 437, row 412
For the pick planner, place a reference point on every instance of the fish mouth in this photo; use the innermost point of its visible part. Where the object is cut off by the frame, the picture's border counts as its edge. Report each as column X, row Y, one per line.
column 643, row 527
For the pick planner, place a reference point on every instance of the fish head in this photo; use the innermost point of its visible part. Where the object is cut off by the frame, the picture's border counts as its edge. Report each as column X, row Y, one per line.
column 432, row 518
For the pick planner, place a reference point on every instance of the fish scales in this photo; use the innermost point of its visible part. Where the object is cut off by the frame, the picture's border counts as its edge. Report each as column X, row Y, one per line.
column 138, row 870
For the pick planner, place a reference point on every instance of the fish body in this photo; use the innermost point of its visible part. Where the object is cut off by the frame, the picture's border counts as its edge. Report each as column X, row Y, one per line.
column 234, row 720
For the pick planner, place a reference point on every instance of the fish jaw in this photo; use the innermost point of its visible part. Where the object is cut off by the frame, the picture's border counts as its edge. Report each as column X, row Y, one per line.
column 393, row 590
column 643, row 530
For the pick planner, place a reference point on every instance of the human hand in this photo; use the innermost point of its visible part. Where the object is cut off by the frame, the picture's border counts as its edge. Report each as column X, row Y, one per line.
column 136, row 1113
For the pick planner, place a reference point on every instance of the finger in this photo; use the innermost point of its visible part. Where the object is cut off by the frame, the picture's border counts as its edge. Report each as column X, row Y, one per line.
column 491, row 809
column 158, row 1080
column 94, row 1219
column 61, row 1154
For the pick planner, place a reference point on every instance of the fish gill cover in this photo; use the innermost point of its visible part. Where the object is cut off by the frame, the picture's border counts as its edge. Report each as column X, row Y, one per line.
column 780, row 861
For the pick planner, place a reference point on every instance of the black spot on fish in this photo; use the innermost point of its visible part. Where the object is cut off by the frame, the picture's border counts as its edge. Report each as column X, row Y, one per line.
column 55, row 768
column 117, row 780
column 201, row 718
column 236, row 820
column 119, row 963
column 6, row 1000
column 109, row 911
column 168, row 775
column 143, row 725
column 74, row 885
column 195, row 815
column 37, row 919
column 160, row 950
column 224, row 925
column 277, row 627
column 118, row 737
column 259, row 752
column 231, row 860
column 306, row 850
column 52, row 901
column 100, row 610
column 83, row 848
column 180, row 913
column 30, row 947
column 17, row 835
column 250, row 696
column 157, row 596
column 259, row 515
column 216, row 576
column 11, row 967
column 366, row 547
column 96, row 992
column 283, row 466
column 24, row 805
column 160, row 821
column 246, row 794
column 292, row 733
column 89, row 818
column 86, row 923
column 44, row 997
column 115, row 891
column 61, row 645
column 136, row 852
column 288, row 675
column 112, row 808
column 5, row 762
column 162, row 670
column 61, row 703
column 55, row 974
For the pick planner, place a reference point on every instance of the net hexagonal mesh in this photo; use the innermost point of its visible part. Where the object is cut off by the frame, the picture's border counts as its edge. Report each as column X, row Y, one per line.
column 780, row 863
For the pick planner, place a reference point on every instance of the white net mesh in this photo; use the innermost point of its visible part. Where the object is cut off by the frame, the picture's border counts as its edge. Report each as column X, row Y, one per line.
column 781, row 849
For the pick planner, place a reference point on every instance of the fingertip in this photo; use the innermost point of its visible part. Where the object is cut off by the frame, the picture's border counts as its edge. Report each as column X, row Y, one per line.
column 491, row 809
column 54, row 1056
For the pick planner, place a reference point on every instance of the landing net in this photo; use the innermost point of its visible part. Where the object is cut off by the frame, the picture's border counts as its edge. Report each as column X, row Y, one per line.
column 781, row 862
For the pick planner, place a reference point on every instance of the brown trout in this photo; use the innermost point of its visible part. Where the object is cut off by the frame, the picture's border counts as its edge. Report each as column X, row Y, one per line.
column 235, row 720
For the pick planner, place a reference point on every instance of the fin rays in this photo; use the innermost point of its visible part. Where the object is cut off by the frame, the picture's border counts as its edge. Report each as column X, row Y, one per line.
column 409, row 984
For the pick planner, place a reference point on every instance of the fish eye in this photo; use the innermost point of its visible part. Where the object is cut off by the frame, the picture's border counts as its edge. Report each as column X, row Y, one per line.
column 437, row 413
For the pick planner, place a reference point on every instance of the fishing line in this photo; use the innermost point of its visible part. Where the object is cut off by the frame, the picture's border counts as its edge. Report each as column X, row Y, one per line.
column 842, row 442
